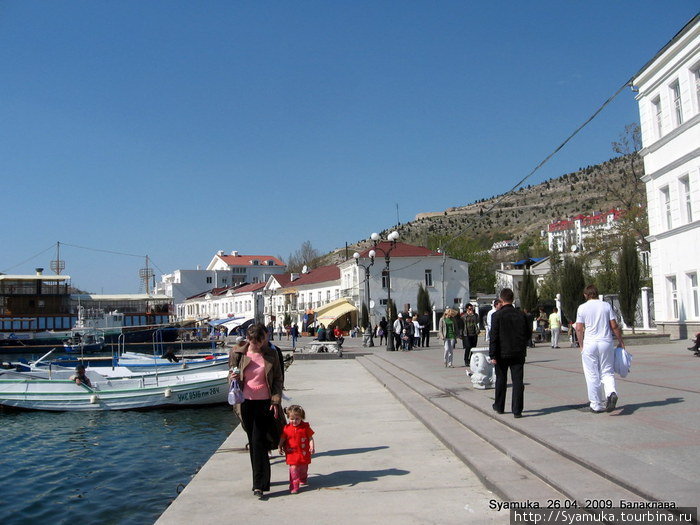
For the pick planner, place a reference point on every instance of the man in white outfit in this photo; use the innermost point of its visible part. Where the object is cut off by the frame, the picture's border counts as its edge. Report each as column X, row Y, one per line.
column 496, row 306
column 595, row 325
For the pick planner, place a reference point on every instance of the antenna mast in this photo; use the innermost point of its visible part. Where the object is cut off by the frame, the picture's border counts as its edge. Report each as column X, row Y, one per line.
column 57, row 265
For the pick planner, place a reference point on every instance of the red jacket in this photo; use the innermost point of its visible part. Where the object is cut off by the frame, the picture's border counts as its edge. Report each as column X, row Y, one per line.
column 296, row 443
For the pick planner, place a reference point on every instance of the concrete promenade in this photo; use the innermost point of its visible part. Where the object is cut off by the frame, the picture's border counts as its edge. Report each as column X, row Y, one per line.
column 402, row 439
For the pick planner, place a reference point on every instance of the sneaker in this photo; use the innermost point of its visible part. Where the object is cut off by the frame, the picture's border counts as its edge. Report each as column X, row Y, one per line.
column 294, row 491
column 258, row 493
column 597, row 411
column 612, row 401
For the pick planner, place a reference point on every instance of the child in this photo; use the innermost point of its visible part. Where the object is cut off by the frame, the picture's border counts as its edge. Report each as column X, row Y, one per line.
column 298, row 445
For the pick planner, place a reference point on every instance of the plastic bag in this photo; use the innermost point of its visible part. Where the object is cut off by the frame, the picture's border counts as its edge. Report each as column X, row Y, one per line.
column 235, row 394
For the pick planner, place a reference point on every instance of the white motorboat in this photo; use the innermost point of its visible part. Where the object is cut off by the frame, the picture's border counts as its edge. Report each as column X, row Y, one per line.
column 27, row 390
column 142, row 363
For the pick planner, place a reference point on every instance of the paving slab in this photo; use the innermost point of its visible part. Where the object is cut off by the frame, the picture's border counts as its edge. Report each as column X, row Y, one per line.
column 375, row 462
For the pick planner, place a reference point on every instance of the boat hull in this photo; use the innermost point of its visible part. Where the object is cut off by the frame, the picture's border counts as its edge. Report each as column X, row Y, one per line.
column 121, row 394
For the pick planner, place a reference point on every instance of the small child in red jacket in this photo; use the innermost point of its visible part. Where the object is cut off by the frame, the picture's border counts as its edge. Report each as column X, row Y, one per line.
column 298, row 445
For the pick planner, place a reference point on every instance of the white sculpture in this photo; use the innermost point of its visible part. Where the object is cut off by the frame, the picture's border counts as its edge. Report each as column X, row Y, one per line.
column 483, row 373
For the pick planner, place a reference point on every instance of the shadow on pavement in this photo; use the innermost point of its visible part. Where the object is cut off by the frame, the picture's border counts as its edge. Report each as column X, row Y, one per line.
column 346, row 451
column 626, row 410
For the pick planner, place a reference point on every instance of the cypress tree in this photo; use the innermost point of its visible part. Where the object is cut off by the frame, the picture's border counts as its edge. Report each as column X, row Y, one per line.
column 528, row 292
column 629, row 280
column 572, row 284
column 423, row 300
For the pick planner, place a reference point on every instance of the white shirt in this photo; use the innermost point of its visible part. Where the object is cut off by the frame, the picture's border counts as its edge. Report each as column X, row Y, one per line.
column 416, row 329
column 596, row 316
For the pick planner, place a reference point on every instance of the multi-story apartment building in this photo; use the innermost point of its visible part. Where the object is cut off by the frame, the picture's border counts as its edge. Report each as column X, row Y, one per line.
column 669, row 108
column 571, row 234
column 223, row 271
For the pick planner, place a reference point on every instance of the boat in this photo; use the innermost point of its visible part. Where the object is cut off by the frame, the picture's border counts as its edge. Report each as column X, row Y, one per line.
column 30, row 391
column 86, row 343
column 40, row 311
column 138, row 362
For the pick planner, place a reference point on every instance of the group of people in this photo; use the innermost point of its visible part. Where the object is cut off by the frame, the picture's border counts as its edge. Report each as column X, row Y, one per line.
column 410, row 330
column 596, row 324
column 256, row 364
column 291, row 331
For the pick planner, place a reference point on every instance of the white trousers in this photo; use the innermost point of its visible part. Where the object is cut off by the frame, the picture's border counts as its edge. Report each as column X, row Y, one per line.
column 449, row 348
column 598, row 358
column 555, row 336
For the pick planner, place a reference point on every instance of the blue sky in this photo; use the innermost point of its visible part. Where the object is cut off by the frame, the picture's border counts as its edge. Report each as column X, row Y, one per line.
column 178, row 128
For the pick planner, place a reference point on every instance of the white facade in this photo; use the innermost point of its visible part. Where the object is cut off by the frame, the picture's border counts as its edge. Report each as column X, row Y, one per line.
column 669, row 108
column 510, row 277
column 244, row 302
column 222, row 272
column 573, row 232
column 446, row 280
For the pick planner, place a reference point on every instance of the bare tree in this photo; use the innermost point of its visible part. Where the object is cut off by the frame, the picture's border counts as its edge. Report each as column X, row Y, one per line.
column 306, row 255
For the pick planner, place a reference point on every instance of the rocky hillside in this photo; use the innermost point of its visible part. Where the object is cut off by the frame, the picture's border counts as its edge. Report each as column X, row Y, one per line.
column 522, row 213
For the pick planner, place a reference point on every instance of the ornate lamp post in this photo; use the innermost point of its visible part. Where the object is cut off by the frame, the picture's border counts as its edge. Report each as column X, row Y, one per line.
column 371, row 254
column 392, row 238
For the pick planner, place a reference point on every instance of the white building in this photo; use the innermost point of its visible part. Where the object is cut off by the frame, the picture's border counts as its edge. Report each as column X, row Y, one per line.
column 510, row 275
column 669, row 108
column 446, row 279
column 302, row 295
column 223, row 271
column 571, row 233
column 236, row 303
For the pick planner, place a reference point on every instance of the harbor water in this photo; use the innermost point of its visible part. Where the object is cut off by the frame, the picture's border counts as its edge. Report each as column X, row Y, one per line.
column 103, row 467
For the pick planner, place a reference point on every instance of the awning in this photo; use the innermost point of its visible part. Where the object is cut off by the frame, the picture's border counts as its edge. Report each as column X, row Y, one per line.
column 332, row 311
column 217, row 322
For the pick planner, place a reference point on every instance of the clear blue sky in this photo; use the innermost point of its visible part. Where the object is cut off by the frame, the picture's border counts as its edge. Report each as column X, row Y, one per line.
column 178, row 128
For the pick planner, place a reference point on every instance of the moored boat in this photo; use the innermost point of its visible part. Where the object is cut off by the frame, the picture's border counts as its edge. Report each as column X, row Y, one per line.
column 25, row 390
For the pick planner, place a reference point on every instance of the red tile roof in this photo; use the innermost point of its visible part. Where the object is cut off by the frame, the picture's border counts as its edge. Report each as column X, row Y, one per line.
column 248, row 260
column 401, row 250
column 250, row 287
column 315, row 276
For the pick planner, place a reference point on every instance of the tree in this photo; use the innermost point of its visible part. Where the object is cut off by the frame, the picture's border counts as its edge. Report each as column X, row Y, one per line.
column 630, row 280
column 481, row 266
column 364, row 317
column 532, row 246
column 572, row 284
column 306, row 255
column 630, row 192
column 607, row 278
column 423, row 300
column 528, row 292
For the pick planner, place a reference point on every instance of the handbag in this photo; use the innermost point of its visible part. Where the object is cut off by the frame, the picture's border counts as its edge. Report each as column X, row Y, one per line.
column 235, row 394
column 622, row 362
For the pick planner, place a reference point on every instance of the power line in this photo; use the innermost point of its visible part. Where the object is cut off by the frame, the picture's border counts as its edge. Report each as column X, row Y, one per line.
column 542, row 163
column 29, row 259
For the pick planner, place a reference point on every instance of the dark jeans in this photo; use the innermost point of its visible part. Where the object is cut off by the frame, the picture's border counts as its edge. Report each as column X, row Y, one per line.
column 258, row 421
column 425, row 338
column 516, row 366
column 470, row 341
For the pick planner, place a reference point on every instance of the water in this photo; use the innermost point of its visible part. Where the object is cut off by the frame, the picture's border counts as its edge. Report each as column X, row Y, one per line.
column 103, row 467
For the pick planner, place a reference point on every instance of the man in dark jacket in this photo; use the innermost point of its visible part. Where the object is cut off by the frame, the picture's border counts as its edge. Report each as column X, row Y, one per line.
column 510, row 334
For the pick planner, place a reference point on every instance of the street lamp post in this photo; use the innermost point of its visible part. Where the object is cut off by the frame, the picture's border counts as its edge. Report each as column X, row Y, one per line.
column 366, row 301
column 392, row 237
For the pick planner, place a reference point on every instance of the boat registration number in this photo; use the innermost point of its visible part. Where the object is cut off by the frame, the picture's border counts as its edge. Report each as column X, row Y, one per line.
column 198, row 394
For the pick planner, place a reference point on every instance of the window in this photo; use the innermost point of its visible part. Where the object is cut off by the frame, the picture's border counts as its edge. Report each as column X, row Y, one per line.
column 694, row 302
column 383, row 302
column 385, row 278
column 672, row 296
column 677, row 106
column 666, row 207
column 686, row 205
column 656, row 110
column 208, row 280
column 328, row 295
column 696, row 79
column 428, row 277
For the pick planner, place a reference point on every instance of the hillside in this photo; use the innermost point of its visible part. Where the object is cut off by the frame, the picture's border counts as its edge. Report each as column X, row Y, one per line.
column 525, row 212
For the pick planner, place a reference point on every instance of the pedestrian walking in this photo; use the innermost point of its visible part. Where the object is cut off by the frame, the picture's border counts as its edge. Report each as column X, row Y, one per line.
column 471, row 333
column 510, row 334
column 259, row 370
column 447, row 332
column 297, row 444
column 555, row 327
column 595, row 325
